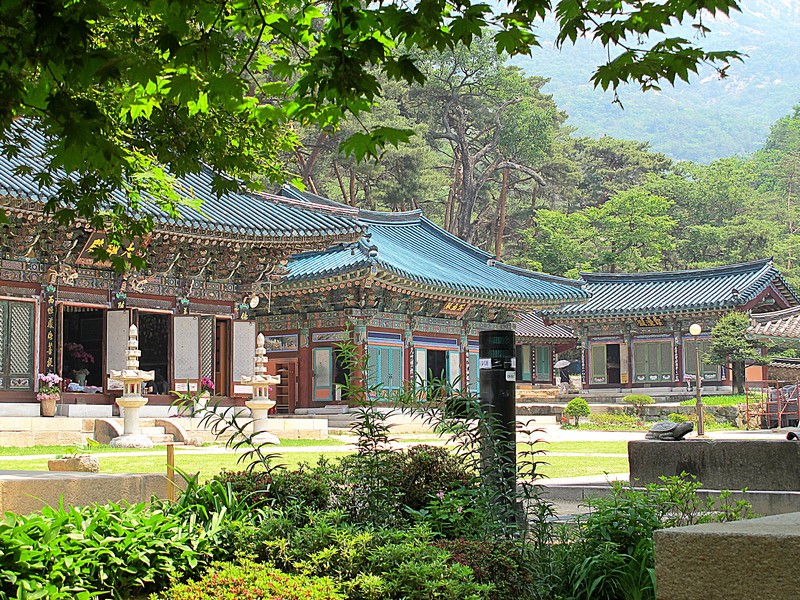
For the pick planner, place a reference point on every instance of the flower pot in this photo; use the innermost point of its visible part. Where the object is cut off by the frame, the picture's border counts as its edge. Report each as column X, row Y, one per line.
column 81, row 378
column 48, row 406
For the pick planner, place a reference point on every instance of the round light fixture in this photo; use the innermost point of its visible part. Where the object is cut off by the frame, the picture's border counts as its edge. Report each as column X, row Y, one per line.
column 695, row 329
column 254, row 301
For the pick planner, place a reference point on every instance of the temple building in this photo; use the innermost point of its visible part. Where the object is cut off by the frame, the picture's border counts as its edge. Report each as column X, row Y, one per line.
column 411, row 295
column 634, row 329
column 539, row 347
column 61, row 311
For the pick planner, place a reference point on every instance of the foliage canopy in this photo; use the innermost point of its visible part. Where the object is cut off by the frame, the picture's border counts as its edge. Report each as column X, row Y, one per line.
column 133, row 93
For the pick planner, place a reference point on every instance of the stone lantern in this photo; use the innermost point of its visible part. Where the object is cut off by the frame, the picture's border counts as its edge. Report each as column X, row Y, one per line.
column 260, row 403
column 132, row 400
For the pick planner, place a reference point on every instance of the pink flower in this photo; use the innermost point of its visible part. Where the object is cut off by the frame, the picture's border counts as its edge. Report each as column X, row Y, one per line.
column 459, row 509
column 440, row 495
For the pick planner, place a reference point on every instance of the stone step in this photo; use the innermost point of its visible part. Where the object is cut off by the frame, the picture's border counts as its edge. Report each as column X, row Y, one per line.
column 150, row 431
column 160, row 440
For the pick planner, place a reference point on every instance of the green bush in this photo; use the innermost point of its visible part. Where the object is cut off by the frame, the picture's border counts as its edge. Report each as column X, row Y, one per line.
column 677, row 418
column 226, row 581
column 423, row 471
column 301, row 490
column 115, row 549
column 615, row 421
column 502, row 563
column 638, row 402
column 577, row 408
column 368, row 563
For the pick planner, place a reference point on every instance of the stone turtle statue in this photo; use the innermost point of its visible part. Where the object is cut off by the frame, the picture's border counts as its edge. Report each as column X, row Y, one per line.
column 669, row 431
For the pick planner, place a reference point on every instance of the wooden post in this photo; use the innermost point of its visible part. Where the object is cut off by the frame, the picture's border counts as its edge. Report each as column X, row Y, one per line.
column 171, row 472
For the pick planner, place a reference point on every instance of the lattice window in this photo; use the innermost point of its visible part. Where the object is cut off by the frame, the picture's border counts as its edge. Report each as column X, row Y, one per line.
column 207, row 347
column 17, row 327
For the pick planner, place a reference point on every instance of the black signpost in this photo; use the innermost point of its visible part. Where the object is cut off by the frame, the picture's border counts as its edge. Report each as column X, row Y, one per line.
column 498, row 401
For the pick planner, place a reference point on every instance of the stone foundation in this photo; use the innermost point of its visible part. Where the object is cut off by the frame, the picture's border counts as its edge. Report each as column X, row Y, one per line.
column 24, row 492
column 719, row 464
column 755, row 559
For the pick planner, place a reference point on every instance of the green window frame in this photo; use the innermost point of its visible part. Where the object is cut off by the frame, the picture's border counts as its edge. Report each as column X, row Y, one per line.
column 474, row 373
column 544, row 363
column 385, row 371
column 708, row 372
column 323, row 374
column 17, row 335
column 597, row 363
column 653, row 361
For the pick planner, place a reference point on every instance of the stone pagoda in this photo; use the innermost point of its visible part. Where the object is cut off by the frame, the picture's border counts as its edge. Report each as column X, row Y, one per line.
column 132, row 399
column 260, row 403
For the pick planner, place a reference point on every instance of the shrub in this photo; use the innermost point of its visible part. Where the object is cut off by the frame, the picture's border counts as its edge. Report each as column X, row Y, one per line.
column 423, row 471
column 677, row 418
column 500, row 563
column 114, row 550
column 577, row 408
column 256, row 582
column 638, row 401
column 298, row 491
column 615, row 421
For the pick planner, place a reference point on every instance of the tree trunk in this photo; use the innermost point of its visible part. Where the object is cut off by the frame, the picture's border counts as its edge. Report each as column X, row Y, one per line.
column 738, row 370
column 501, row 216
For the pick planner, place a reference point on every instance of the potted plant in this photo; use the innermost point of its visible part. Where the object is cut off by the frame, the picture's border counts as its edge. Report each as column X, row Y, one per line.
column 49, row 393
column 80, row 359
column 206, row 391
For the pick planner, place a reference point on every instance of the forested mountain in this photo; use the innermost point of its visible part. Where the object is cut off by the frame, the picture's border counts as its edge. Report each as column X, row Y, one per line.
column 494, row 161
column 707, row 119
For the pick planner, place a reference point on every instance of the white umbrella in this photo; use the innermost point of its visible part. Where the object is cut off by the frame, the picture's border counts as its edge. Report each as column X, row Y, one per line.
column 562, row 363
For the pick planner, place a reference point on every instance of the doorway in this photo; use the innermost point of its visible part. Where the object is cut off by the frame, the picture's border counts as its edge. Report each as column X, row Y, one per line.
column 613, row 364
column 437, row 365
column 82, row 345
column 154, row 343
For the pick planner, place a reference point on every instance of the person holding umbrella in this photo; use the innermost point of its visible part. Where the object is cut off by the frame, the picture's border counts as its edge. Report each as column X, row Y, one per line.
column 563, row 384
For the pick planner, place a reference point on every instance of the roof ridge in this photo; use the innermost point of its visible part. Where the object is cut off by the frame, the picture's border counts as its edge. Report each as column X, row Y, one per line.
column 340, row 209
column 597, row 277
column 538, row 274
column 394, row 218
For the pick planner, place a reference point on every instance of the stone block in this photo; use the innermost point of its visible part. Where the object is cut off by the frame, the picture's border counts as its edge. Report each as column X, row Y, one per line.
column 15, row 423
column 56, row 424
column 59, row 438
column 754, row 559
column 83, row 464
column 20, row 439
column 719, row 464
column 99, row 411
column 20, row 409
column 24, row 492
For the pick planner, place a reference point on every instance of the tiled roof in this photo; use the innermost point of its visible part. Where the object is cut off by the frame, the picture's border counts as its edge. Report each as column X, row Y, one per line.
column 532, row 327
column 778, row 325
column 240, row 213
column 407, row 251
column 718, row 288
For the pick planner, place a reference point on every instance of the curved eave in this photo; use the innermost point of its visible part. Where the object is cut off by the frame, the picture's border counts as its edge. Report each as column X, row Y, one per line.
column 393, row 281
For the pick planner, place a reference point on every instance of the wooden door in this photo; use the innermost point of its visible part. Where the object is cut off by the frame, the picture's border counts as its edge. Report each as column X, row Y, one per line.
column 284, row 393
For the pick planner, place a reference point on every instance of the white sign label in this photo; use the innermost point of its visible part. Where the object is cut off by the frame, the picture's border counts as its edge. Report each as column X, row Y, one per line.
column 513, row 363
column 181, row 387
column 511, row 375
column 485, row 363
column 242, row 390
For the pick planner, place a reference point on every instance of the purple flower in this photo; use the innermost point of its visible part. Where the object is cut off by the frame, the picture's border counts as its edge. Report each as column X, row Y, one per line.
column 440, row 495
column 459, row 509
column 206, row 384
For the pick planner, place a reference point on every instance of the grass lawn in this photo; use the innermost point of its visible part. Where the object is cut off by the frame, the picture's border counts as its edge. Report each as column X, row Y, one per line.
column 209, row 465
column 718, row 400
column 53, row 450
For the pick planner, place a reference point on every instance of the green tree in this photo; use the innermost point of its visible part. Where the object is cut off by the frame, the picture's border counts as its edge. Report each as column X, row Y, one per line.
column 133, row 92
column 729, row 345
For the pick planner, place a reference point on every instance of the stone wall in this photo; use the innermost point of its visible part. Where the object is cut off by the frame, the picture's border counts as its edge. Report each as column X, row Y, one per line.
column 24, row 492
column 755, row 559
column 719, row 464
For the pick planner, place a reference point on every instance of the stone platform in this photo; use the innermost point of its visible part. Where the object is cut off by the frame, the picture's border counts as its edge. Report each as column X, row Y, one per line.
column 754, row 559
column 24, row 492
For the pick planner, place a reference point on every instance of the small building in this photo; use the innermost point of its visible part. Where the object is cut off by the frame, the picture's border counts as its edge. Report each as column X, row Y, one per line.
column 62, row 311
column 782, row 329
column 411, row 295
column 634, row 329
column 539, row 347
